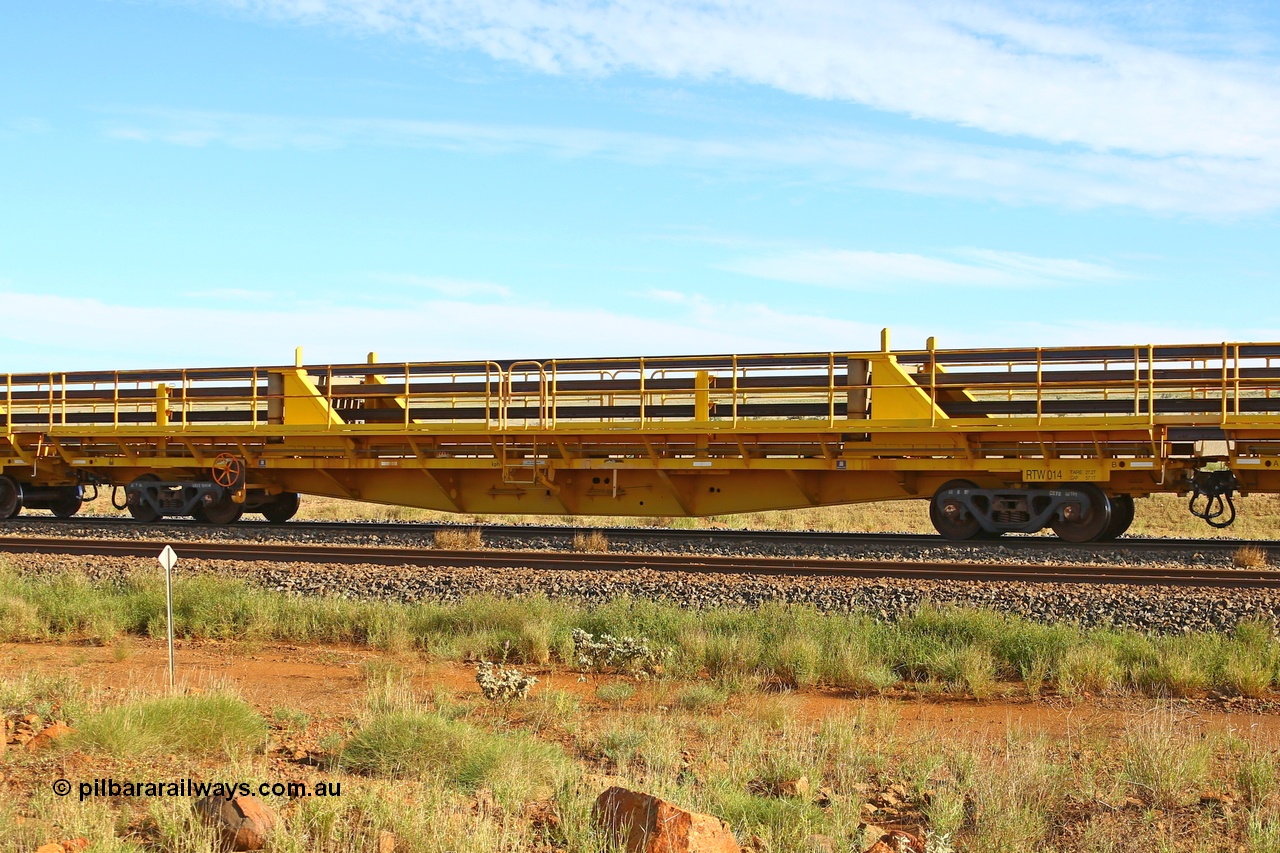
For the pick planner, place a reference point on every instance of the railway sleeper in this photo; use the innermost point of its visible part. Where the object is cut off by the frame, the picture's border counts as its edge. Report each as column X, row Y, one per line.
column 1078, row 513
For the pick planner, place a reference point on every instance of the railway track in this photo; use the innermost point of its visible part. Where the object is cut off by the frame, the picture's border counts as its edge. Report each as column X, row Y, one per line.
column 1197, row 576
column 648, row 535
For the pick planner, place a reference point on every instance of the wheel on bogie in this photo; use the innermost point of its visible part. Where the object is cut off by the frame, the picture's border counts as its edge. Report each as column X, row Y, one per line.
column 224, row 511
column 141, row 512
column 1122, row 511
column 10, row 498
column 1088, row 521
column 950, row 518
column 281, row 508
column 66, row 507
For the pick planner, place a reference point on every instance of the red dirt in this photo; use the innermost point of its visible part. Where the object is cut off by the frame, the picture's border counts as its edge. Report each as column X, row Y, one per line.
column 329, row 681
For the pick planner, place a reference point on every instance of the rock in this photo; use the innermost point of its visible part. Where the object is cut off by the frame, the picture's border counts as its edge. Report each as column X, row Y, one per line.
column 1218, row 802
column 820, row 844
column 640, row 823
column 49, row 735
column 869, row 833
column 243, row 823
column 897, row 841
column 798, row 787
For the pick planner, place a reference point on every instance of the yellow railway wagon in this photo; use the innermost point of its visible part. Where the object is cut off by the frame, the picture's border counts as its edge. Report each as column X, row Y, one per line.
column 998, row 440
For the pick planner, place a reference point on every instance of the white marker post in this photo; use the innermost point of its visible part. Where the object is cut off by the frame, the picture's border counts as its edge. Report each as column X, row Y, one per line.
column 168, row 559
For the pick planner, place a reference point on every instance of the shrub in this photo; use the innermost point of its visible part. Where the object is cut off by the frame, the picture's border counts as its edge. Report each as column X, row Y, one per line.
column 593, row 541
column 404, row 744
column 854, row 669
column 616, row 693
column 501, row 683
column 623, row 654
column 1161, row 762
column 795, row 662
column 58, row 697
column 1035, row 672
column 458, row 538
column 1244, row 674
column 732, row 656
column 215, row 724
column 1249, row 557
column 970, row 668
column 19, row 620
column 1088, row 668
column 1176, row 672
column 700, row 697
column 1257, row 775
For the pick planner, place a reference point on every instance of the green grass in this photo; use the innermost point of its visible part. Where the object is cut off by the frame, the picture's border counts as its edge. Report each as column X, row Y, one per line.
column 416, row 744
column 615, row 693
column 208, row 725
column 964, row 651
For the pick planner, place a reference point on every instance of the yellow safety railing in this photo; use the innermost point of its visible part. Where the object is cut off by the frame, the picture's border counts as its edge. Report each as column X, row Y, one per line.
column 1217, row 383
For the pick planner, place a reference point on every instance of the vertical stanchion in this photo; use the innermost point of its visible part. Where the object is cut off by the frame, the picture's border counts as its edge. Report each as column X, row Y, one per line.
column 168, row 559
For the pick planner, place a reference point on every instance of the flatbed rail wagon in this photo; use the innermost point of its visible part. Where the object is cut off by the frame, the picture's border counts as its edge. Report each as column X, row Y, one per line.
column 997, row 440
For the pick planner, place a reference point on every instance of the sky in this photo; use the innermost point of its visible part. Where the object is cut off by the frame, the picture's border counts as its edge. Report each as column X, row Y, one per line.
column 214, row 182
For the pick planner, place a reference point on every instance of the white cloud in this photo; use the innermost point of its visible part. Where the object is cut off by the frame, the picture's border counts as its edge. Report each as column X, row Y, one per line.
column 971, row 64
column 453, row 288
column 902, row 162
column 457, row 330
column 29, row 124
column 444, row 329
column 855, row 270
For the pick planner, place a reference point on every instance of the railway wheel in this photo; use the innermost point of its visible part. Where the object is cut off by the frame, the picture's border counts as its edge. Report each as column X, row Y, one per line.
column 1087, row 519
column 140, row 511
column 281, row 508
column 950, row 517
column 1122, row 511
column 224, row 511
column 67, row 506
column 10, row 498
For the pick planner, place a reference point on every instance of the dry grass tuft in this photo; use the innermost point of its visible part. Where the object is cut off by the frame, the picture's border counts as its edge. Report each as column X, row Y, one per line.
column 593, row 540
column 1249, row 557
column 458, row 538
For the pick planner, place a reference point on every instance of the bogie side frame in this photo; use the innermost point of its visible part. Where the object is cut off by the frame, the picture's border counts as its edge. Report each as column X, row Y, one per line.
column 1006, row 439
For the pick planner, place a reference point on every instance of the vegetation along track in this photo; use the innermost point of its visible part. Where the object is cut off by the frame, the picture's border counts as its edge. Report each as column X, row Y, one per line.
column 647, row 538
column 706, row 564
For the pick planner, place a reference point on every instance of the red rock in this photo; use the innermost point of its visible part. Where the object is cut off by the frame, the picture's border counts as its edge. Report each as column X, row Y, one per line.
column 640, row 823
column 897, row 841
column 48, row 735
column 242, row 822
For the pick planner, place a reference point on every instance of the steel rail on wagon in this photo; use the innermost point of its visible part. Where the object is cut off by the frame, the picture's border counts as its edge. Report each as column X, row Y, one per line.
column 997, row 440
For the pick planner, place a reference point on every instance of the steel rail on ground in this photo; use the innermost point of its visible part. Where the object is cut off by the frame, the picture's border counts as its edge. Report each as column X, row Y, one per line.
column 696, row 564
column 695, row 536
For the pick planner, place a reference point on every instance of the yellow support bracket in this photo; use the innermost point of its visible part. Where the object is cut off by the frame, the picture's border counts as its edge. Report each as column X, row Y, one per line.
column 304, row 405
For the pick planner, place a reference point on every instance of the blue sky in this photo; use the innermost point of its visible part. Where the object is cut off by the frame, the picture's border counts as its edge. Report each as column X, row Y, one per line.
column 217, row 181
